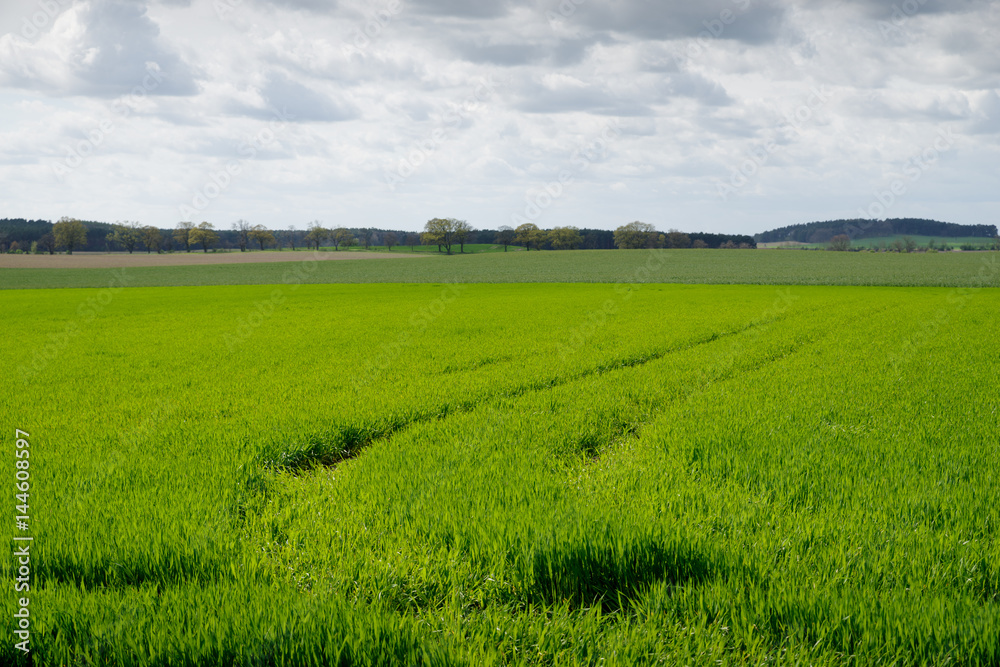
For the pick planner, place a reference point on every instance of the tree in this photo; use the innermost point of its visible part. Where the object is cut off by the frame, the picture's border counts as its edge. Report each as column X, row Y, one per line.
column 840, row 243
column 366, row 238
column 69, row 233
column 699, row 244
column 440, row 232
column 462, row 231
column 505, row 236
column 909, row 244
column 262, row 235
column 342, row 237
column 728, row 245
column 635, row 235
column 291, row 236
column 412, row 240
column 48, row 242
column 151, row 238
column 389, row 239
column 526, row 234
column 204, row 235
column 242, row 229
column 316, row 234
column 565, row 238
column 182, row 234
column 126, row 234
column 678, row 239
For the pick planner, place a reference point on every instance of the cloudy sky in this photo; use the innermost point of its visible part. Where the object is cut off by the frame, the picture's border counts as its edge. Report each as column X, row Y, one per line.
column 719, row 115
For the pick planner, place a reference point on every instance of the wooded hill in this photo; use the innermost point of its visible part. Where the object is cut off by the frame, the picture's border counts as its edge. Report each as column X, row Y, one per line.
column 822, row 232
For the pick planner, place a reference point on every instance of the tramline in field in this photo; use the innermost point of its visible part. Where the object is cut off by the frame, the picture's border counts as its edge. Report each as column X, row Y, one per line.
column 536, row 473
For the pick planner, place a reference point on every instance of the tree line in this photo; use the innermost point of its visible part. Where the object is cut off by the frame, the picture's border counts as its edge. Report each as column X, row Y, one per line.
column 448, row 234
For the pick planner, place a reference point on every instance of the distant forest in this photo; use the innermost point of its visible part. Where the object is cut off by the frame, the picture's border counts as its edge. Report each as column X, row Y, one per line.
column 822, row 232
column 24, row 232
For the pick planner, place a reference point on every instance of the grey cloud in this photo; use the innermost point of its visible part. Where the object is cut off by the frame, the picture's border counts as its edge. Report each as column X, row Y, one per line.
column 881, row 9
column 318, row 6
column 743, row 20
column 560, row 53
column 301, row 103
column 536, row 97
column 117, row 51
column 126, row 40
column 470, row 9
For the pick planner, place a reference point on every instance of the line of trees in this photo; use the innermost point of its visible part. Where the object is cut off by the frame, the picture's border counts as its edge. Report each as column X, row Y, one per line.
column 637, row 234
column 843, row 243
column 450, row 235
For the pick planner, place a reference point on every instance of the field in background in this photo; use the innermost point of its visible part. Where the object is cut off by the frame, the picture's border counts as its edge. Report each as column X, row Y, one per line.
column 484, row 474
column 95, row 260
column 874, row 242
column 597, row 266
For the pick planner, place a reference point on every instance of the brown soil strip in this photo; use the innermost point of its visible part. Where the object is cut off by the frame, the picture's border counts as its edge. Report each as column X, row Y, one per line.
column 94, row 260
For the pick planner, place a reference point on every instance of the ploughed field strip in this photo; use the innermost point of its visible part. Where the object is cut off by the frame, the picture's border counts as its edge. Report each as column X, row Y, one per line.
column 490, row 474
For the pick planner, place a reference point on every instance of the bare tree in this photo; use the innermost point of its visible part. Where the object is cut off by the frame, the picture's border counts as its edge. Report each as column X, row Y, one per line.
column 389, row 239
column 242, row 229
column 840, row 243
column 48, row 243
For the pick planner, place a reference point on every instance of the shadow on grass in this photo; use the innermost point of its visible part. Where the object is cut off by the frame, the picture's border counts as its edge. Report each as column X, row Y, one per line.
column 585, row 574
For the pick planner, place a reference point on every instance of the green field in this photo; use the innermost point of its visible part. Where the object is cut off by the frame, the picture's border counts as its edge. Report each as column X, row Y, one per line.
column 470, row 248
column 940, row 242
column 588, row 266
column 512, row 473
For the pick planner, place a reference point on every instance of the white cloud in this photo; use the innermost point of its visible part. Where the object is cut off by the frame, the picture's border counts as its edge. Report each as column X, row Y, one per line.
column 697, row 90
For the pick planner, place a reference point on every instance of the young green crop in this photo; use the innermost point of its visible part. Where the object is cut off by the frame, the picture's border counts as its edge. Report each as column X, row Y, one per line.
column 494, row 474
column 758, row 267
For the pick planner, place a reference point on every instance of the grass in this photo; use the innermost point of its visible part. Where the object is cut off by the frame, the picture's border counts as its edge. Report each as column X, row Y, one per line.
column 470, row 248
column 597, row 266
column 921, row 241
column 508, row 474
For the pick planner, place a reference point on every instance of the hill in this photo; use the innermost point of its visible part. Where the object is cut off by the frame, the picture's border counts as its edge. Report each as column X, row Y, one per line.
column 821, row 232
